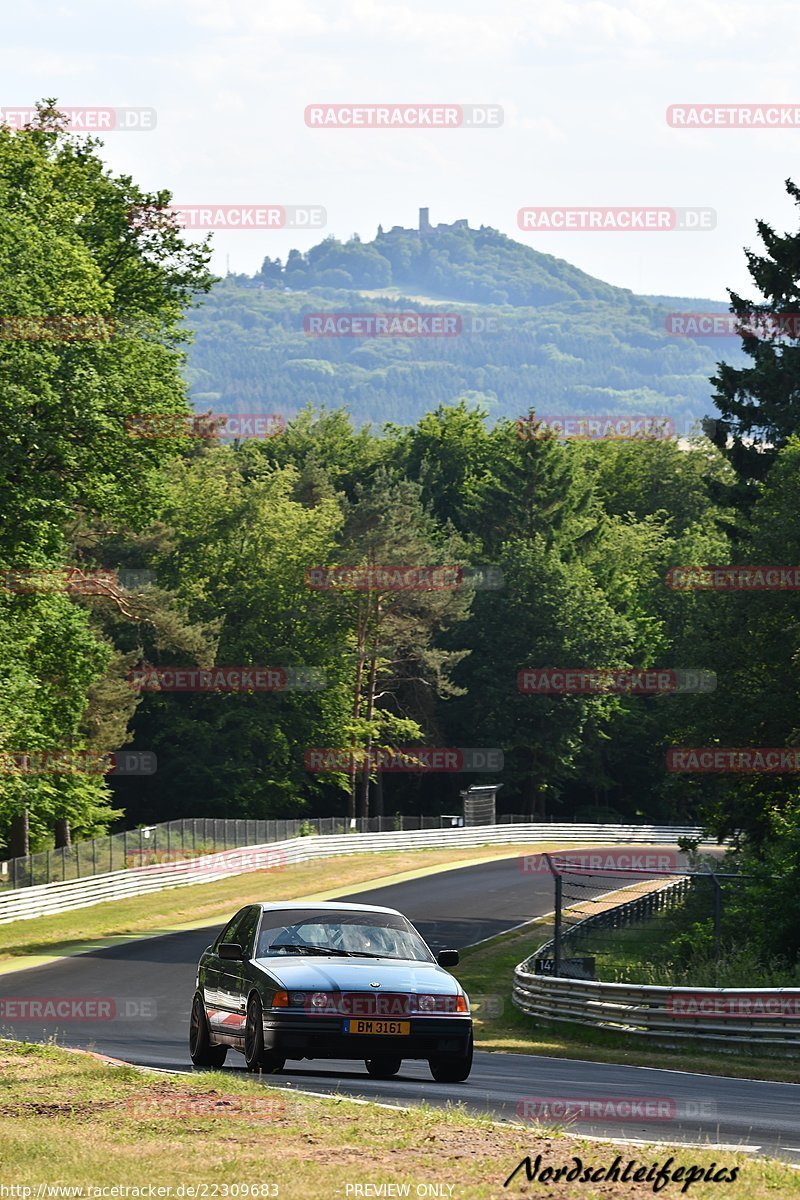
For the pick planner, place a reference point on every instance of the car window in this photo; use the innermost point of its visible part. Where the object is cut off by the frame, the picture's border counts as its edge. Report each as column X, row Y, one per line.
column 246, row 930
column 230, row 932
column 299, row 931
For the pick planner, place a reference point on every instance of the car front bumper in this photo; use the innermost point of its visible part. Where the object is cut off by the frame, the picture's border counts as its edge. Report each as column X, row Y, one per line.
column 325, row 1037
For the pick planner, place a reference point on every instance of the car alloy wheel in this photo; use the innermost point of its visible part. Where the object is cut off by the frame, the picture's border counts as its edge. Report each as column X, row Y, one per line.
column 201, row 1050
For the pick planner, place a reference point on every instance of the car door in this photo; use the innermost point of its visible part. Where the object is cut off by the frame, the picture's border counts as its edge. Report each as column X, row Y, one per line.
column 235, row 976
column 217, row 986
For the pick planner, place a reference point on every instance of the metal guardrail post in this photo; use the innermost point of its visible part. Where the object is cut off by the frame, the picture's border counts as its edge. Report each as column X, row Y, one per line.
column 557, row 929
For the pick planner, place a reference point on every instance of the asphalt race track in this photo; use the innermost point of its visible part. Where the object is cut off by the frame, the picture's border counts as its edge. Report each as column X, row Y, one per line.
column 151, row 982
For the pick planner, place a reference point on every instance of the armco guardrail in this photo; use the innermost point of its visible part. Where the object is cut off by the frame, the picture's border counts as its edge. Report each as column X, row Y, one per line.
column 25, row 903
column 765, row 1016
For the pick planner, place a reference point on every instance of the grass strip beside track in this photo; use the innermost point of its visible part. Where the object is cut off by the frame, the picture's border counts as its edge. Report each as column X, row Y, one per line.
column 70, row 1120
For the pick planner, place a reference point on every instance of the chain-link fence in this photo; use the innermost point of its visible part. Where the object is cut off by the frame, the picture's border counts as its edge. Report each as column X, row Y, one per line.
column 172, row 841
column 628, row 916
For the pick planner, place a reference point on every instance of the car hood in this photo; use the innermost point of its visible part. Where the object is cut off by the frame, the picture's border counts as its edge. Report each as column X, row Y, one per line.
column 357, row 974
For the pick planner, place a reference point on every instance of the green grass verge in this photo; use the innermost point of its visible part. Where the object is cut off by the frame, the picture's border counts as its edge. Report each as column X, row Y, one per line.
column 664, row 951
column 68, row 1120
column 486, row 973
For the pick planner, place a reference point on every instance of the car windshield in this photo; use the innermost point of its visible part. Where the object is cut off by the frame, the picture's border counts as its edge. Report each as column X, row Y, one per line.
column 340, row 934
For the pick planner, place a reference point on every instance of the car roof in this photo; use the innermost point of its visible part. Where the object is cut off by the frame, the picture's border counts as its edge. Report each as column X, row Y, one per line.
column 326, row 906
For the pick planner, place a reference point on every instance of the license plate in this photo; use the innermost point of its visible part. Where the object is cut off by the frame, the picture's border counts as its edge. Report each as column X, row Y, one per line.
column 384, row 1028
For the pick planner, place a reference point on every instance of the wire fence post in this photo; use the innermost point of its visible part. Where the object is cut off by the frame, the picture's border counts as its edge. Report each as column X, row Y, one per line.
column 557, row 917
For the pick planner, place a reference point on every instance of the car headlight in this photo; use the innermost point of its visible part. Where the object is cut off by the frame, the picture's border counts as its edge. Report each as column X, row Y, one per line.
column 297, row 999
column 442, row 1004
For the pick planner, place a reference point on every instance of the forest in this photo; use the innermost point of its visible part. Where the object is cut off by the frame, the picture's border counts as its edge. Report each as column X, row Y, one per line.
column 533, row 331
column 392, row 583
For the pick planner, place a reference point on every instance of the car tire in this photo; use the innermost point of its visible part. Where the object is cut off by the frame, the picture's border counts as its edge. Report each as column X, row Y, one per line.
column 201, row 1049
column 452, row 1068
column 256, row 1057
column 383, row 1068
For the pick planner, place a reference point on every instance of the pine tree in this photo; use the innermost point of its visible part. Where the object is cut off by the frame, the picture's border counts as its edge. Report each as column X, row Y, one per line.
column 760, row 404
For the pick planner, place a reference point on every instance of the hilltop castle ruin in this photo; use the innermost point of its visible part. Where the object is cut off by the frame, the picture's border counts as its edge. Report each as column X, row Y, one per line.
column 425, row 227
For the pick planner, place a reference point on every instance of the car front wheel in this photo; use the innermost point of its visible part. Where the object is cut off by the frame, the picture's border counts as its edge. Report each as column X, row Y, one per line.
column 256, row 1057
column 452, row 1068
column 201, row 1050
column 383, row 1068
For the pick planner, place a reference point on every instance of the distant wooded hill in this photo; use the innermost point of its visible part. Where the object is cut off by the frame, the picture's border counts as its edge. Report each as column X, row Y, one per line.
column 534, row 331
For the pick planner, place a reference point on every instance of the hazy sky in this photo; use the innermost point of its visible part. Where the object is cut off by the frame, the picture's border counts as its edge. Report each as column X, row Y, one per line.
column 584, row 85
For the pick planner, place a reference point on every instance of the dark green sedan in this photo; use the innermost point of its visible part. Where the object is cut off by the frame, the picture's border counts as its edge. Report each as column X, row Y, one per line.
column 294, row 981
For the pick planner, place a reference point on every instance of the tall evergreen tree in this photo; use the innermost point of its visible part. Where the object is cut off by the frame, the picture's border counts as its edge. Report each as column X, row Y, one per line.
column 760, row 404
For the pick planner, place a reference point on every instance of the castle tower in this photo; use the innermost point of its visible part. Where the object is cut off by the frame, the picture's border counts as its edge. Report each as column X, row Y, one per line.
column 424, row 222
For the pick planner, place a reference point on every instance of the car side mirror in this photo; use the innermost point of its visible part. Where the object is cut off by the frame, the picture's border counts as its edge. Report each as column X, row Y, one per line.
column 447, row 958
column 231, row 950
